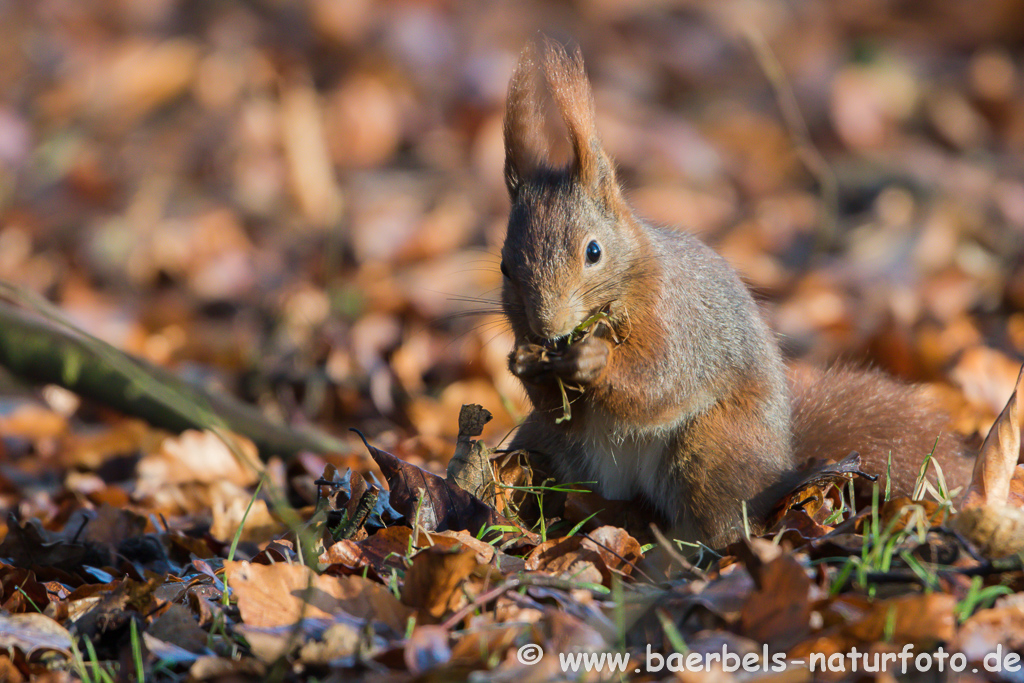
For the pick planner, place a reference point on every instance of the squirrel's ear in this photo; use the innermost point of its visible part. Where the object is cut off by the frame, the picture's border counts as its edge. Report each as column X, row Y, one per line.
column 523, row 122
column 570, row 89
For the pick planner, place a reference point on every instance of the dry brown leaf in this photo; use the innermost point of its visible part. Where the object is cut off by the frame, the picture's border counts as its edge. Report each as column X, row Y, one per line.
column 437, row 504
column 31, row 632
column 178, row 626
column 200, row 457
column 1003, row 623
column 259, row 524
column 33, row 422
column 92, row 449
column 470, row 465
column 995, row 464
column 381, row 551
column 513, row 475
column 778, row 611
column 141, row 76
column 987, row 516
column 433, row 579
column 924, row 620
column 310, row 169
column 426, row 649
column 996, row 530
column 986, row 377
column 571, row 558
column 901, row 512
column 619, row 551
column 281, row 594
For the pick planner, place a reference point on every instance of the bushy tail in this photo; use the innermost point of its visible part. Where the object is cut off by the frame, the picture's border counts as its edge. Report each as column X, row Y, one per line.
column 846, row 409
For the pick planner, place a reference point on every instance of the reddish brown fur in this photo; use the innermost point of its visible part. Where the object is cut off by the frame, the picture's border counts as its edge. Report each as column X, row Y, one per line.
column 846, row 409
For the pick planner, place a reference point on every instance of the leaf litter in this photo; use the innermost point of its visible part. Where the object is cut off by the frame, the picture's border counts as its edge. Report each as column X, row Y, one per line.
column 175, row 180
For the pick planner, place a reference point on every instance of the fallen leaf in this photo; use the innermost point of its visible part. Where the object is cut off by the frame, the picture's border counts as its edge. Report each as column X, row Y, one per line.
column 198, row 457
column 1003, row 623
column 383, row 551
column 571, row 558
column 258, row 524
column 434, row 503
column 281, row 594
column 986, row 377
column 434, row 577
column 778, row 611
column 923, row 620
column 987, row 518
column 177, row 626
column 995, row 464
column 31, row 632
column 470, row 466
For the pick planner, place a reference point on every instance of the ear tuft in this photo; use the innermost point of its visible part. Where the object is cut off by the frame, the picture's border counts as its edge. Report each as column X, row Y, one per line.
column 523, row 121
column 570, row 89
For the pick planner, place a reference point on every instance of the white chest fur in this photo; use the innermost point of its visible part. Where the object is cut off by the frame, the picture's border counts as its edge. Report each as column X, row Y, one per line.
column 623, row 463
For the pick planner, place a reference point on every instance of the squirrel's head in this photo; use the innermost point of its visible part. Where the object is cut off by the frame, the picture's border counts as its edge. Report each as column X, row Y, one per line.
column 572, row 244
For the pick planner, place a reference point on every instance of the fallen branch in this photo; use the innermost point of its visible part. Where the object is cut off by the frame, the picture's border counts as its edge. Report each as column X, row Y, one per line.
column 46, row 349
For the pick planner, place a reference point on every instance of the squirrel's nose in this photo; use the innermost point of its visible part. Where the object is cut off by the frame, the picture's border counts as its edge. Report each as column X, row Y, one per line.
column 553, row 323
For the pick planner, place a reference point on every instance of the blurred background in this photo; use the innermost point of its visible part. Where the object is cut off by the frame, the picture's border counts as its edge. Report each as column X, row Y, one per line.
column 286, row 199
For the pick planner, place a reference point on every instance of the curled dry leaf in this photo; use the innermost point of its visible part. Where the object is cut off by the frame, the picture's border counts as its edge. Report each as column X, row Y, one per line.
column 566, row 556
column 815, row 489
column 512, row 474
column 440, row 504
column 470, row 466
column 988, row 518
column 618, row 549
column 21, row 591
column 994, row 467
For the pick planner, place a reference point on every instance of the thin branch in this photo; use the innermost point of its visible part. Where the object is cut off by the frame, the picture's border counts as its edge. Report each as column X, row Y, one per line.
column 44, row 348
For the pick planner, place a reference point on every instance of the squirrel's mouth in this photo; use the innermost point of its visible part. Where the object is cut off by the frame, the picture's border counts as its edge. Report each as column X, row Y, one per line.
column 558, row 344
column 582, row 330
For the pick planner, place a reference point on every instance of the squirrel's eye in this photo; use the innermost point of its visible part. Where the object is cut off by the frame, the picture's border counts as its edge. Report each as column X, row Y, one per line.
column 593, row 252
column 504, row 270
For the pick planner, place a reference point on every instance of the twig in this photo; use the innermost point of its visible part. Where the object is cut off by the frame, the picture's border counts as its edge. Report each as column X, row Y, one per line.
column 987, row 568
column 47, row 349
column 620, row 557
column 508, row 585
column 670, row 549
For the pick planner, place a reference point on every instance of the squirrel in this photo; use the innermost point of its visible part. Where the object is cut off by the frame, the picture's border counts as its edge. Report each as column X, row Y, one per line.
column 680, row 394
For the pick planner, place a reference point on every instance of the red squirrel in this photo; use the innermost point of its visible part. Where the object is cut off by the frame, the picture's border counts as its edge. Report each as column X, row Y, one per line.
column 679, row 391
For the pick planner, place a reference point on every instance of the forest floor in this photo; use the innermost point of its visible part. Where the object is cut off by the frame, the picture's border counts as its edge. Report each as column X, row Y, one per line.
column 231, row 232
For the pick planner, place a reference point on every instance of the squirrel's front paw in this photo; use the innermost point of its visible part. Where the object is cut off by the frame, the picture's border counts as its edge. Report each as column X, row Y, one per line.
column 581, row 363
column 529, row 362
